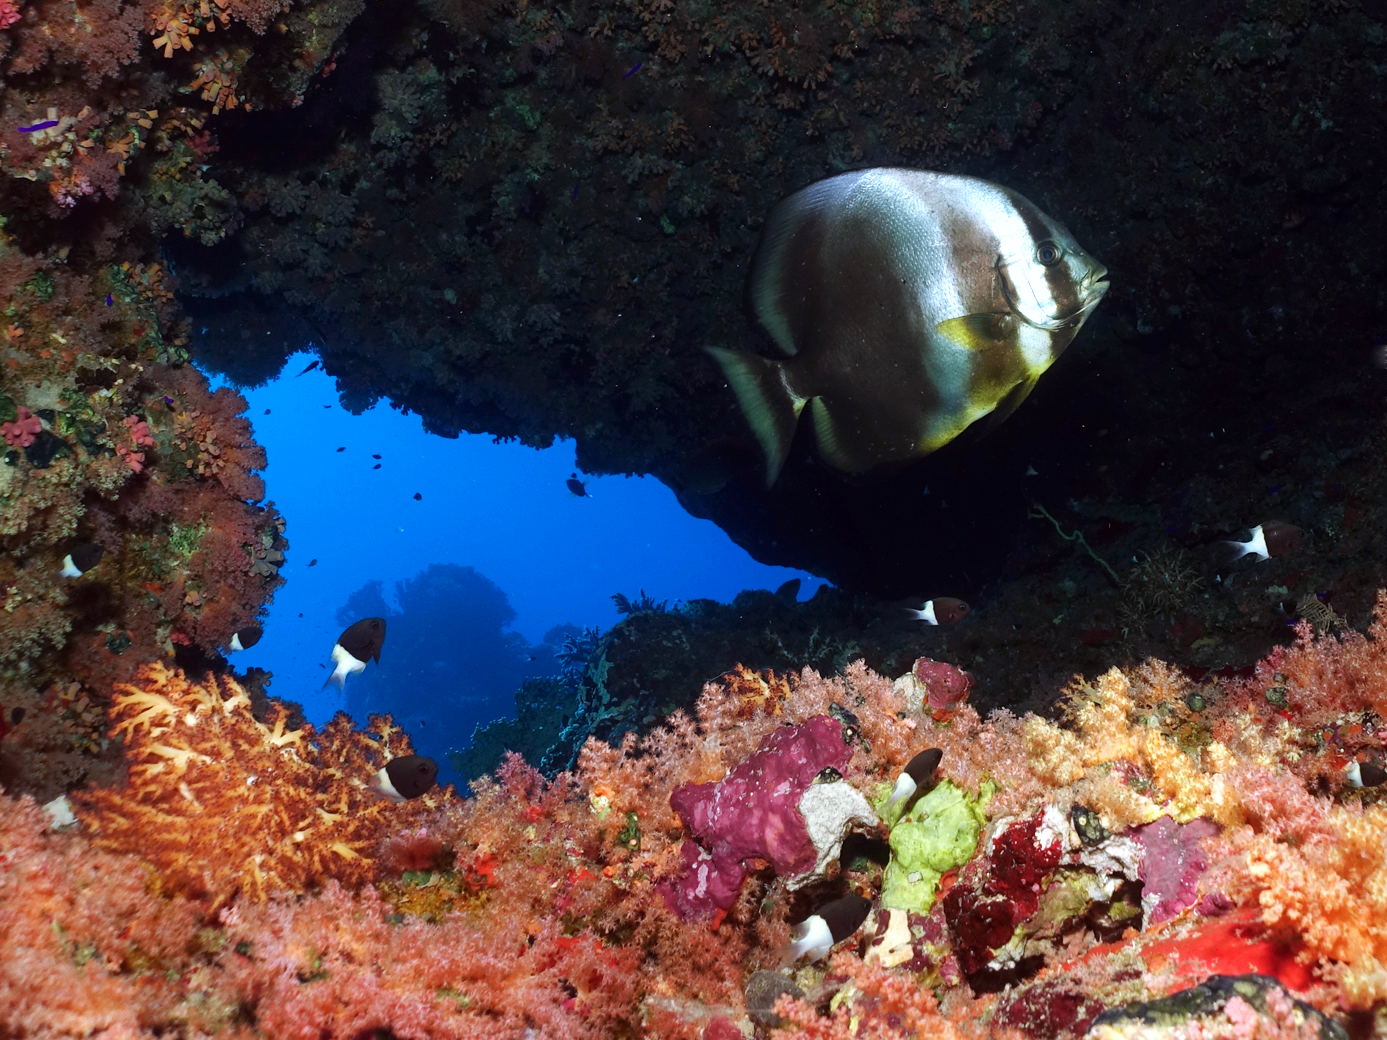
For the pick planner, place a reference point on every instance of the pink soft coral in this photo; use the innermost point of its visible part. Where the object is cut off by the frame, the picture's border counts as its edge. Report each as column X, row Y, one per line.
column 133, row 459
column 26, row 426
column 139, row 429
column 9, row 14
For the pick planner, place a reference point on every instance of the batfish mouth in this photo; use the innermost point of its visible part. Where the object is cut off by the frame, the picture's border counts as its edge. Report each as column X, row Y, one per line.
column 1091, row 289
column 1094, row 286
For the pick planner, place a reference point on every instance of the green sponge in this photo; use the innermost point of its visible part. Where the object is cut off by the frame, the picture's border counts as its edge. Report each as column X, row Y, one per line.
column 939, row 833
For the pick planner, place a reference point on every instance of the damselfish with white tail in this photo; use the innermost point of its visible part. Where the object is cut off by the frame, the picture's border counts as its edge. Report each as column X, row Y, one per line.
column 360, row 643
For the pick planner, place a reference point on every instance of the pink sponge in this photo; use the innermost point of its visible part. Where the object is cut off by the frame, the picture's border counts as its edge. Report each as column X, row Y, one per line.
column 752, row 813
column 1172, row 863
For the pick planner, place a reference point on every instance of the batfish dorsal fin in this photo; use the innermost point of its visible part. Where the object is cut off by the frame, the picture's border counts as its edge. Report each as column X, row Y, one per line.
column 770, row 406
column 978, row 331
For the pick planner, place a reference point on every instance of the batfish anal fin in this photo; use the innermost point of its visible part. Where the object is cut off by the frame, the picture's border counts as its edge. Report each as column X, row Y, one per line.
column 831, row 446
column 771, row 407
column 979, row 331
column 1011, row 401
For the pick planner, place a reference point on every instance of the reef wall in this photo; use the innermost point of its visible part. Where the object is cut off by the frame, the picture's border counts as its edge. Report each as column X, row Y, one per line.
column 1175, row 859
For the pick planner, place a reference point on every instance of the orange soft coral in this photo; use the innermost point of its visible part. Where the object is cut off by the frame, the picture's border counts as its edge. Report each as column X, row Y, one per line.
column 222, row 803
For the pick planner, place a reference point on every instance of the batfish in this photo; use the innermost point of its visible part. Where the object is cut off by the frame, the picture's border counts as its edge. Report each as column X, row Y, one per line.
column 909, row 304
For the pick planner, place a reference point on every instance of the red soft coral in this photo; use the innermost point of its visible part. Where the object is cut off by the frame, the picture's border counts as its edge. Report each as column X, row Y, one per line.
column 21, row 432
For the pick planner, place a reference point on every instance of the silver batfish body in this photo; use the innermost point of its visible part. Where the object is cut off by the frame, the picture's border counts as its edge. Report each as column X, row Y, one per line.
column 908, row 304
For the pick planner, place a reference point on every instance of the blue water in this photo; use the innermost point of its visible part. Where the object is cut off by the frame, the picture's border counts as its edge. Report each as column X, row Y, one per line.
column 500, row 508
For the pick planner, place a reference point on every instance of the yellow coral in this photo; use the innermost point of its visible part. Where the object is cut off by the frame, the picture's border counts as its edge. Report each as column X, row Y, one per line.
column 221, row 802
column 1054, row 754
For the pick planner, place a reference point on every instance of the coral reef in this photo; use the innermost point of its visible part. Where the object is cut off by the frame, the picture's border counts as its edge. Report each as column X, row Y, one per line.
column 113, row 439
column 1137, row 868
column 110, row 437
column 224, row 804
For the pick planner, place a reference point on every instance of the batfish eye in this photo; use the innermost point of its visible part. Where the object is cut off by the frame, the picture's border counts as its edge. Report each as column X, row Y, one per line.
column 1048, row 253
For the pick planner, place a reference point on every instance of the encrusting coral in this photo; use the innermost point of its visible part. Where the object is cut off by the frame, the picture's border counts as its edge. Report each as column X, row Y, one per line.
column 1167, row 832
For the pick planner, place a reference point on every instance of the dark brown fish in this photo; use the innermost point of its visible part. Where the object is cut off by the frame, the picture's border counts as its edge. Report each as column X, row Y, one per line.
column 407, row 777
column 916, row 778
column 834, row 922
column 942, row 610
column 245, row 638
column 81, row 559
column 1273, row 538
column 358, row 644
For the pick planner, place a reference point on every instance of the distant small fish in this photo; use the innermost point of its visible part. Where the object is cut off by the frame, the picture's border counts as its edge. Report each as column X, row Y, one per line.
column 942, row 610
column 313, row 562
column 916, row 778
column 267, row 411
column 1366, row 774
column 407, row 777
column 1274, row 538
column 343, row 448
column 834, row 922
column 81, row 559
column 326, row 405
column 578, row 487
column 418, row 497
column 788, row 592
column 375, row 456
column 311, row 366
column 358, row 644
column 633, row 70
column 49, row 123
column 376, row 466
column 245, row 638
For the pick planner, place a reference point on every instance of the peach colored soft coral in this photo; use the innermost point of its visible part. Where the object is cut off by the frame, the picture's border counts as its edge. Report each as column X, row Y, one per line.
column 221, row 802
column 1328, row 888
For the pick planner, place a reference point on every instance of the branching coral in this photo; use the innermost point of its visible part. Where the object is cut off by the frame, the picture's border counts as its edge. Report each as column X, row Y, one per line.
column 533, row 909
column 222, row 803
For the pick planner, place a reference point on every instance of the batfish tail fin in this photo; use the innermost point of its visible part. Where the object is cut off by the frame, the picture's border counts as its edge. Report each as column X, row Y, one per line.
column 770, row 406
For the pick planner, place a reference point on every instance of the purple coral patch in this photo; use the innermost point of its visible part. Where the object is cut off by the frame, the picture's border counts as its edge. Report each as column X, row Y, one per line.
column 752, row 813
column 1172, row 863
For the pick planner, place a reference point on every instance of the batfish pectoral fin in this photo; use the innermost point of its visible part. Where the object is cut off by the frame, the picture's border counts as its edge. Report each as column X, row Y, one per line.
column 1011, row 401
column 979, row 331
column 770, row 406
